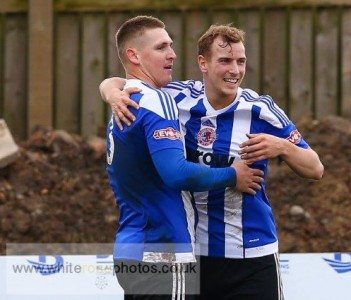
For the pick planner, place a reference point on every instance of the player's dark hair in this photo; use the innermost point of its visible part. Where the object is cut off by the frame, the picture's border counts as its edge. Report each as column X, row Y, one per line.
column 133, row 28
column 228, row 33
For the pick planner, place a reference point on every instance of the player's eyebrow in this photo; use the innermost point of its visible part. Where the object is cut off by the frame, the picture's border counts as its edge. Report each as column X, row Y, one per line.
column 164, row 44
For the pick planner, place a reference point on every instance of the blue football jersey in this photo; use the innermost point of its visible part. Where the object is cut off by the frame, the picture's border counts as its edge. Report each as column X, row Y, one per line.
column 155, row 222
column 230, row 224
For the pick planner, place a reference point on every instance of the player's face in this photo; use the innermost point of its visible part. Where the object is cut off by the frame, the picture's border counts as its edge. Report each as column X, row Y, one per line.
column 224, row 69
column 156, row 56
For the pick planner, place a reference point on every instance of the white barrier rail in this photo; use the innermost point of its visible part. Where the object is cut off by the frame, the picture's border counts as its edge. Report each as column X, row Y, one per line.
column 308, row 276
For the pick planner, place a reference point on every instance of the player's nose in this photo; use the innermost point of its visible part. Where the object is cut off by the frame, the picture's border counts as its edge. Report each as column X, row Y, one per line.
column 171, row 54
column 234, row 69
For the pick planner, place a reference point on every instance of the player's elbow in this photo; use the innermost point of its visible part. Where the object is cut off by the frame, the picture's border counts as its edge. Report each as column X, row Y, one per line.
column 315, row 169
column 313, row 172
column 318, row 171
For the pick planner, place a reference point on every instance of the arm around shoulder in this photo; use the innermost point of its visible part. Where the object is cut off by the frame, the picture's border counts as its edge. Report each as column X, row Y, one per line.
column 110, row 86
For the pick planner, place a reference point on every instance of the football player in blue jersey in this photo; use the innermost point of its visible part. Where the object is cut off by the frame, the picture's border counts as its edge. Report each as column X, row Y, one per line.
column 222, row 122
column 147, row 171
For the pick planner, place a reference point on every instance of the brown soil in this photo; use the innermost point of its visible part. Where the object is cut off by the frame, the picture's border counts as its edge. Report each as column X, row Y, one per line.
column 57, row 192
column 325, row 224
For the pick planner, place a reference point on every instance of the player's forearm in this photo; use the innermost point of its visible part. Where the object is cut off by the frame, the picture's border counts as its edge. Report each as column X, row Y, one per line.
column 304, row 162
column 109, row 86
column 180, row 174
column 200, row 178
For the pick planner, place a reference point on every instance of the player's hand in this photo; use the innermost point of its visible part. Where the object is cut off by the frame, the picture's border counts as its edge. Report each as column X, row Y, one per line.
column 261, row 146
column 119, row 102
column 248, row 180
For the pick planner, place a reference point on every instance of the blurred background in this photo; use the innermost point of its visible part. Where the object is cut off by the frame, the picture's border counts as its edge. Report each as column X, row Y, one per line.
column 54, row 54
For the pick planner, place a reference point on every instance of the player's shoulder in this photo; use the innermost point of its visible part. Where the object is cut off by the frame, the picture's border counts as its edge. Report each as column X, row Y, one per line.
column 193, row 87
column 190, row 84
column 266, row 107
column 249, row 96
column 155, row 100
column 253, row 98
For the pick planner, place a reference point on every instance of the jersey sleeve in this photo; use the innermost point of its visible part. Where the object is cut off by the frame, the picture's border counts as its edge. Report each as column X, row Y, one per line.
column 180, row 174
column 180, row 90
column 290, row 133
column 278, row 124
column 161, row 133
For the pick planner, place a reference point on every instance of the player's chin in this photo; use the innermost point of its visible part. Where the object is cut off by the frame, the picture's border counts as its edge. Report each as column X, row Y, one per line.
column 166, row 80
column 230, row 91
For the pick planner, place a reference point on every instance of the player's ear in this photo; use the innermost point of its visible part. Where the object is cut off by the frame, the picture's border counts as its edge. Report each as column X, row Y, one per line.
column 132, row 56
column 202, row 63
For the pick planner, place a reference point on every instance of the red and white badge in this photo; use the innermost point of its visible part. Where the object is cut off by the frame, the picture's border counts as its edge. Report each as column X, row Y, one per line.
column 167, row 133
column 294, row 137
column 206, row 136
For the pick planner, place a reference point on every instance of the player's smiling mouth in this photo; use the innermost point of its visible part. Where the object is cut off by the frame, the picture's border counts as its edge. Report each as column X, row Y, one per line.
column 231, row 80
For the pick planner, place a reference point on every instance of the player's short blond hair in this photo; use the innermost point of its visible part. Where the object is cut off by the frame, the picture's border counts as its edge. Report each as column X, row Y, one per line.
column 228, row 33
column 132, row 28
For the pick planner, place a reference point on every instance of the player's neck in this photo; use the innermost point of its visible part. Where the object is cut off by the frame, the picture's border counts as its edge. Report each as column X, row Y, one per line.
column 219, row 100
column 137, row 74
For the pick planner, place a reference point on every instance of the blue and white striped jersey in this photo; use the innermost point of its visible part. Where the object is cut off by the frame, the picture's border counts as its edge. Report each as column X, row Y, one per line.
column 155, row 222
column 230, row 224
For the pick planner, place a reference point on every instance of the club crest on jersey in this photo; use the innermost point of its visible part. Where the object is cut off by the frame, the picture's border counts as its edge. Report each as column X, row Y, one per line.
column 206, row 136
column 294, row 137
column 167, row 133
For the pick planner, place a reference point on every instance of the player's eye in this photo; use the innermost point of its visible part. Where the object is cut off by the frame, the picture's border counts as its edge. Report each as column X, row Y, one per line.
column 162, row 47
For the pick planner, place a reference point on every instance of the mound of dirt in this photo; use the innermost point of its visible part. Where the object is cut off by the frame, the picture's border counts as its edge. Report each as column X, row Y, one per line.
column 315, row 216
column 58, row 192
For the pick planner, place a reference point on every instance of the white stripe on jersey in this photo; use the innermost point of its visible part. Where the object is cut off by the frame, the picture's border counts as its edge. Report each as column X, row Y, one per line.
column 172, row 106
column 185, row 116
column 241, row 126
column 190, row 216
column 233, row 223
column 202, row 225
